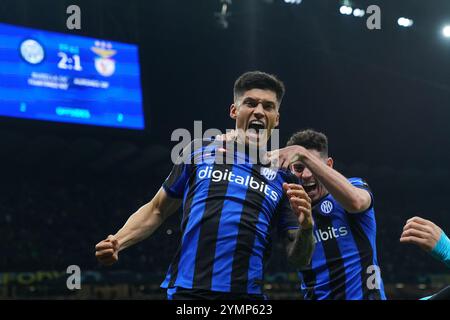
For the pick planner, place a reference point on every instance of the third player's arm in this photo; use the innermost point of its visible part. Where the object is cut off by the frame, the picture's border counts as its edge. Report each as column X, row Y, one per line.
column 147, row 219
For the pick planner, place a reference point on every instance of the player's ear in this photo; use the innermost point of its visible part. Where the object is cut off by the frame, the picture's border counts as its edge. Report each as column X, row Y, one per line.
column 330, row 162
column 233, row 111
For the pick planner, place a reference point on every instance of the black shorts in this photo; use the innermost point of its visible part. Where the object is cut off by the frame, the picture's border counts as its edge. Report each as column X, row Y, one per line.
column 199, row 294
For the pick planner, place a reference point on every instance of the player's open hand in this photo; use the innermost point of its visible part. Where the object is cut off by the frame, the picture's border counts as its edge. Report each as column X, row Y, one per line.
column 421, row 232
column 283, row 158
column 107, row 251
column 300, row 204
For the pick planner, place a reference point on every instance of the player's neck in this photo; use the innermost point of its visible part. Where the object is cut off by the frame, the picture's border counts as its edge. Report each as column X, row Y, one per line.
column 320, row 198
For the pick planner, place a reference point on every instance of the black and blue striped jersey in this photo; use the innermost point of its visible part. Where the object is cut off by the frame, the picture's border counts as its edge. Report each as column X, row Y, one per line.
column 228, row 213
column 344, row 264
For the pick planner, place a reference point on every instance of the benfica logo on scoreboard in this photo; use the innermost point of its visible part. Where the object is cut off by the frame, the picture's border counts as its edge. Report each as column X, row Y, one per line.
column 103, row 63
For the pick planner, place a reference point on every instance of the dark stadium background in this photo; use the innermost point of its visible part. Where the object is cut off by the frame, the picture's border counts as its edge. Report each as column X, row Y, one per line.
column 382, row 97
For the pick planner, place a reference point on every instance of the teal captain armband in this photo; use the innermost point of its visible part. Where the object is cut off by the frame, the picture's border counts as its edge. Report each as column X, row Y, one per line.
column 441, row 250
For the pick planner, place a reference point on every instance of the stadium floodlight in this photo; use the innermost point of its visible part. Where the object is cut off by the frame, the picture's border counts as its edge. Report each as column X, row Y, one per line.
column 358, row 12
column 446, row 31
column 405, row 22
column 222, row 16
column 346, row 10
column 293, row 1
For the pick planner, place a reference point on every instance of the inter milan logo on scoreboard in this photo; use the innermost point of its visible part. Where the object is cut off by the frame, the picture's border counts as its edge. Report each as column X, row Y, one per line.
column 103, row 63
column 326, row 207
column 32, row 51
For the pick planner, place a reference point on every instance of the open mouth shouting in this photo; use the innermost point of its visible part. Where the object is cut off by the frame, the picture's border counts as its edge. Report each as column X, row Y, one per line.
column 310, row 188
column 256, row 130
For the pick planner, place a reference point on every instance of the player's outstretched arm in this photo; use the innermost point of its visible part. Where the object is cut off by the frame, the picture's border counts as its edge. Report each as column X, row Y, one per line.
column 300, row 243
column 427, row 236
column 139, row 226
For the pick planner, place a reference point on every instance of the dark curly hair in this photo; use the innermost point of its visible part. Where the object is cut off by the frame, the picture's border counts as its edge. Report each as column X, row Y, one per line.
column 310, row 139
column 258, row 80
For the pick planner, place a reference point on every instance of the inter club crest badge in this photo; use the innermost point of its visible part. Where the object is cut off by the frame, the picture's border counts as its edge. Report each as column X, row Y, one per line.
column 268, row 173
column 326, row 207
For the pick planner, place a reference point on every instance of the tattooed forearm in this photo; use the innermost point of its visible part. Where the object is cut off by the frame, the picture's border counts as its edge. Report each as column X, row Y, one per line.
column 300, row 247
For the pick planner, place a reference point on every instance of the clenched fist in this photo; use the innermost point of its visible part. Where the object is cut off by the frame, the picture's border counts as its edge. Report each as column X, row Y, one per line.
column 107, row 251
column 300, row 204
column 421, row 232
